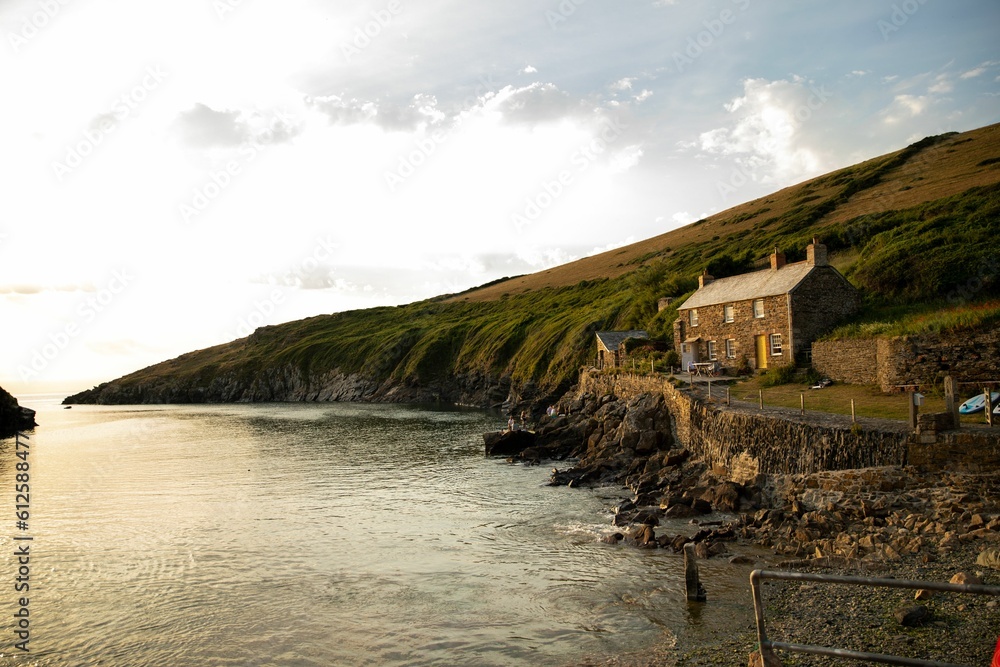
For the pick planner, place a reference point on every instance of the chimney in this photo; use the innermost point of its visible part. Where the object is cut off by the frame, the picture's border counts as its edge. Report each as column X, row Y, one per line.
column 704, row 279
column 816, row 253
column 777, row 259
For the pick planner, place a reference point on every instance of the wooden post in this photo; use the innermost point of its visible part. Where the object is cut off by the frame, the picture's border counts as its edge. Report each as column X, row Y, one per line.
column 710, row 389
column 760, row 398
column 951, row 400
column 854, row 418
column 802, row 403
column 913, row 409
column 728, row 401
column 692, row 584
column 989, row 406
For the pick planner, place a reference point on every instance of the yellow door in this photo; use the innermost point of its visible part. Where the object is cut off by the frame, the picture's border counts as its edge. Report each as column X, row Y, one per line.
column 761, row 351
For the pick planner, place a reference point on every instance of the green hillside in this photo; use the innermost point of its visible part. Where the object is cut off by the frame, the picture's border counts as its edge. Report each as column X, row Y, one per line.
column 926, row 241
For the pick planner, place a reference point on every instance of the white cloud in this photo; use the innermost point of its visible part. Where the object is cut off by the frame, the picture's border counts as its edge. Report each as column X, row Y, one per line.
column 529, row 70
column 683, row 218
column 980, row 69
column 905, row 107
column 771, row 131
column 623, row 84
column 643, row 96
column 626, row 158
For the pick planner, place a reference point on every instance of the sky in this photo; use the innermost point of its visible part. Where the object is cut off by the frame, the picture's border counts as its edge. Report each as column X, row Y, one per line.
column 175, row 174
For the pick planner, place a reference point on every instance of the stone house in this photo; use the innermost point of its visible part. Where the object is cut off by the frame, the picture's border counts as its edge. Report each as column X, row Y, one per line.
column 611, row 346
column 765, row 318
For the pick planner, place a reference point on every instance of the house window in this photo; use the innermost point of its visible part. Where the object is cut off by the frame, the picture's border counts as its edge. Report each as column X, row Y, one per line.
column 731, row 348
column 775, row 345
column 711, row 351
column 693, row 317
column 727, row 313
column 758, row 308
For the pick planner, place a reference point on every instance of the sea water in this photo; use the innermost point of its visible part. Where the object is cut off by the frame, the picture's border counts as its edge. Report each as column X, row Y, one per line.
column 321, row 534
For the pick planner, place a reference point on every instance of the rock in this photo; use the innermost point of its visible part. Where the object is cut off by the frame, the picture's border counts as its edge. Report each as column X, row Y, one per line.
column 912, row 616
column 923, row 594
column 614, row 538
column 742, row 560
column 507, row 443
column 966, row 579
column 989, row 558
column 769, row 659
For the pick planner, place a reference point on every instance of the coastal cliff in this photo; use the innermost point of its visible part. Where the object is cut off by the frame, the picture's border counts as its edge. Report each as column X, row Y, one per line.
column 13, row 417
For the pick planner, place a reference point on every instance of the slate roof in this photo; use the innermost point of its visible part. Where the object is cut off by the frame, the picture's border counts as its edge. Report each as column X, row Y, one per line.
column 745, row 286
column 612, row 339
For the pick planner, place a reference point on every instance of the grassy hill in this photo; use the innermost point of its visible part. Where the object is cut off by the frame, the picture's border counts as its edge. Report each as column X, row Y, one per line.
column 914, row 229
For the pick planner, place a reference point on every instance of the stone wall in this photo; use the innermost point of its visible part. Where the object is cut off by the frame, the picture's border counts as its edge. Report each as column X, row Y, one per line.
column 741, row 445
column 851, row 361
column 912, row 360
column 972, row 451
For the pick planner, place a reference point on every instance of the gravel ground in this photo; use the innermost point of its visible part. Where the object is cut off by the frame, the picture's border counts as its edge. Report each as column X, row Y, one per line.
column 963, row 629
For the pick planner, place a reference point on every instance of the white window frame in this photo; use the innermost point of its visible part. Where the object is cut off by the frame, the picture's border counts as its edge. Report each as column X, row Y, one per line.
column 758, row 314
column 728, row 312
column 775, row 349
column 693, row 317
column 730, row 348
column 712, row 353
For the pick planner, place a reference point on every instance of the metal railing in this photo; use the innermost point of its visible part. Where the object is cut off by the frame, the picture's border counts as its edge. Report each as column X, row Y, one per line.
column 766, row 646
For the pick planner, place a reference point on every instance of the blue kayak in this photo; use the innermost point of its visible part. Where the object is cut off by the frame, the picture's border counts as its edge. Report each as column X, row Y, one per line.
column 977, row 403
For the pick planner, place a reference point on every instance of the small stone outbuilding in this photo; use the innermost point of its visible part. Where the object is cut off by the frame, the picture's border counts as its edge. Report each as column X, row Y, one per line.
column 765, row 318
column 611, row 346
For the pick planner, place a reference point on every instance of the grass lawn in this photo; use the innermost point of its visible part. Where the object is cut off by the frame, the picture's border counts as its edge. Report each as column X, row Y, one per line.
column 869, row 401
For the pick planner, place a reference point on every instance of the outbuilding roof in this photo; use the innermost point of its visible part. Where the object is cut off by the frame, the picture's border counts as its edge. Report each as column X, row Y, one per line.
column 612, row 339
column 755, row 285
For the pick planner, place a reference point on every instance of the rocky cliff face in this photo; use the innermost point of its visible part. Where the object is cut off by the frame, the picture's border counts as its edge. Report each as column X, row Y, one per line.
column 13, row 417
column 288, row 383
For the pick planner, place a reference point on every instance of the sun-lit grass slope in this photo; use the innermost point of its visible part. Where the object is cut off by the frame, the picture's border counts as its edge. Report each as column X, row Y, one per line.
column 926, row 171
column 916, row 230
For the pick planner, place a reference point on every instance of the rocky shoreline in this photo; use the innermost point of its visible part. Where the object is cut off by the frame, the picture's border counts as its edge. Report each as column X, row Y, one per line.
column 13, row 417
column 898, row 521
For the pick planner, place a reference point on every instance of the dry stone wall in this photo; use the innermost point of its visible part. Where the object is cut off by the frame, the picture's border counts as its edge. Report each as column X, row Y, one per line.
column 911, row 360
column 741, row 445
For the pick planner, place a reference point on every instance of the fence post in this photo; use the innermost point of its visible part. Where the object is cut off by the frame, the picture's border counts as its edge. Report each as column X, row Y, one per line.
column 728, row 402
column 951, row 404
column 760, row 398
column 913, row 409
column 802, row 403
column 989, row 406
column 854, row 419
column 709, row 389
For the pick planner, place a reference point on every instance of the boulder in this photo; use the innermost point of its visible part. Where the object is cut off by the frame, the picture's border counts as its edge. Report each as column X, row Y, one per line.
column 966, row 579
column 508, row 443
column 989, row 558
column 912, row 616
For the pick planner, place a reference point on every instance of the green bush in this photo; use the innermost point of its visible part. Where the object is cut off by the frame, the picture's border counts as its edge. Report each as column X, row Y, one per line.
column 772, row 377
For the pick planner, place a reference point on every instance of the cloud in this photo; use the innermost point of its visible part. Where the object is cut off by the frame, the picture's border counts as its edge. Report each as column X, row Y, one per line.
column 683, row 218
column 28, row 289
column 626, row 158
column 623, row 84
column 904, row 107
column 528, row 70
column 422, row 110
column 941, row 84
column 643, row 96
column 769, row 136
column 978, row 70
column 204, row 127
column 536, row 103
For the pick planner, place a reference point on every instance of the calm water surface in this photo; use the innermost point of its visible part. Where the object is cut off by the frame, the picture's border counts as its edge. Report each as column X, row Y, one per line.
column 304, row 534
